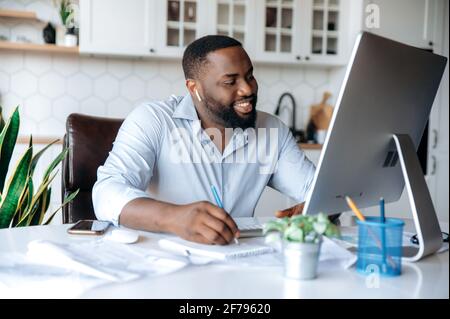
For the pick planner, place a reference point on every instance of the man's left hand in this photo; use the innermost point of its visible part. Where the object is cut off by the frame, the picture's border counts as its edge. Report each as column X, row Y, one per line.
column 288, row 212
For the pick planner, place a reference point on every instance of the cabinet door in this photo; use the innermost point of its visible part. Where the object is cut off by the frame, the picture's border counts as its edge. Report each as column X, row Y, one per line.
column 234, row 18
column 408, row 21
column 277, row 30
column 179, row 23
column 326, row 25
column 116, row 26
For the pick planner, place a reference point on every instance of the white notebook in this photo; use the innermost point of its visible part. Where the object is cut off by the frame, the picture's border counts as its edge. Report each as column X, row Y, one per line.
column 221, row 252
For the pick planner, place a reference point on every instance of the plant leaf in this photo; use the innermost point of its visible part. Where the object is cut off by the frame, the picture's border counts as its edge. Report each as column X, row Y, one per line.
column 22, row 205
column 66, row 201
column 293, row 233
column 38, row 156
column 278, row 225
column 44, row 203
column 320, row 227
column 16, row 185
column 2, row 120
column 8, row 138
column 55, row 162
column 35, row 201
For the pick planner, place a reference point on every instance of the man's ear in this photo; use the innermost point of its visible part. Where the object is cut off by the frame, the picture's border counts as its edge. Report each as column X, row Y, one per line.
column 191, row 86
column 193, row 89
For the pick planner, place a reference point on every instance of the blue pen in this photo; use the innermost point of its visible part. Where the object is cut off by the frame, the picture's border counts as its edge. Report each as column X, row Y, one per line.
column 216, row 197
column 383, row 234
column 382, row 216
column 220, row 205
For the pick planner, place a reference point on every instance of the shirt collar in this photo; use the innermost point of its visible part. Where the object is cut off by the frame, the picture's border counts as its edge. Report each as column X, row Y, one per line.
column 186, row 109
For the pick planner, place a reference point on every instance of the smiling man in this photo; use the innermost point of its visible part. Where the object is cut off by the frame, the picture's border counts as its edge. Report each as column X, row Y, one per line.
column 168, row 154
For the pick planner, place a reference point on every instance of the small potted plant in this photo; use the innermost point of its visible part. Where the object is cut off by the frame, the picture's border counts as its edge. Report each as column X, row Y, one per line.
column 301, row 238
column 65, row 33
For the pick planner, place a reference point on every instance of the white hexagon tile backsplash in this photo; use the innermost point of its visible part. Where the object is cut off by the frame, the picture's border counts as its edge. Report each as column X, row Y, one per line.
column 49, row 87
column 53, row 86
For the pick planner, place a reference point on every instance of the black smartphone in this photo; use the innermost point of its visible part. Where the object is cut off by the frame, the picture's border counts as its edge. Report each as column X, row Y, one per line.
column 89, row 227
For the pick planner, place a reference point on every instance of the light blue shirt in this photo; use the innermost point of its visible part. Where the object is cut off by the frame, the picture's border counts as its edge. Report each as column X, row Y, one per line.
column 162, row 152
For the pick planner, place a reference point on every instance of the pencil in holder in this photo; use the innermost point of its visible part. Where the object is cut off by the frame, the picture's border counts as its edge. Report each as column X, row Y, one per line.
column 380, row 246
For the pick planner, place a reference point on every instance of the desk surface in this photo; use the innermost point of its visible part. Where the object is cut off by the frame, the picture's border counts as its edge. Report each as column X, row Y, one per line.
column 428, row 278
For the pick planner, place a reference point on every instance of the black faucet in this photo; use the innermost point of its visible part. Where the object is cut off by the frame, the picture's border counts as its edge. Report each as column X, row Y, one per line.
column 299, row 134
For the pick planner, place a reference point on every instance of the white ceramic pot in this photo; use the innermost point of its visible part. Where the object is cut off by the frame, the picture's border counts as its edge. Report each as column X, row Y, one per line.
column 70, row 40
column 301, row 260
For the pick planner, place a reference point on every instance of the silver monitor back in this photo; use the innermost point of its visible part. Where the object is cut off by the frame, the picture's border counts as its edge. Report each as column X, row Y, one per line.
column 389, row 88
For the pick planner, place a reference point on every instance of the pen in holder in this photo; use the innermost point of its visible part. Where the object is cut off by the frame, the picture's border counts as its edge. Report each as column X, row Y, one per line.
column 380, row 246
column 379, row 242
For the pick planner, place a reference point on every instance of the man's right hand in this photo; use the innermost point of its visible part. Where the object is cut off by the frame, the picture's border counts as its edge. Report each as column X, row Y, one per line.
column 205, row 223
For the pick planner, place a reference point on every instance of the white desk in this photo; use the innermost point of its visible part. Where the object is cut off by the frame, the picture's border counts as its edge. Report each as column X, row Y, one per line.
column 428, row 278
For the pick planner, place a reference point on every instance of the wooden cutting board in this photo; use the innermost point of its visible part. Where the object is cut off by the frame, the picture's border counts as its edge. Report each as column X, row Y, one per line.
column 320, row 114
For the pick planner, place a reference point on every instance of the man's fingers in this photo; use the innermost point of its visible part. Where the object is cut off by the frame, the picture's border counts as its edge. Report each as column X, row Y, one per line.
column 225, row 217
column 219, row 226
column 213, row 236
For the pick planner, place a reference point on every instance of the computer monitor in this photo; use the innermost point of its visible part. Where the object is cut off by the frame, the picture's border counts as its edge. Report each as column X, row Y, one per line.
column 370, row 149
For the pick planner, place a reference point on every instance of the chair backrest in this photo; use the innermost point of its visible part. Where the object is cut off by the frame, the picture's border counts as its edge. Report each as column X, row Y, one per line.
column 89, row 140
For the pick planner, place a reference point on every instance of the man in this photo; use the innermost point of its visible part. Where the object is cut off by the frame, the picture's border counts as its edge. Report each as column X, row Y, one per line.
column 168, row 155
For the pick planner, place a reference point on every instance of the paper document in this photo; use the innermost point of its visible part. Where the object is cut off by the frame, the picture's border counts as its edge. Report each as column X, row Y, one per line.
column 220, row 252
column 48, row 268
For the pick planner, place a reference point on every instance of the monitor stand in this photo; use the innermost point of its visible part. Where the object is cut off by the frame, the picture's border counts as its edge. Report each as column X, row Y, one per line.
column 424, row 215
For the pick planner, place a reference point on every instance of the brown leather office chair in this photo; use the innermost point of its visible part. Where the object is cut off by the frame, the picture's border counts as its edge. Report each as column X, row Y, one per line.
column 89, row 140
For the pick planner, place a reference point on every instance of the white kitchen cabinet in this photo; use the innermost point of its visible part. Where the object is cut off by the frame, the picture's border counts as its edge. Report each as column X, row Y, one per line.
column 117, row 27
column 178, row 23
column 234, row 18
column 287, row 31
column 408, row 21
column 304, row 31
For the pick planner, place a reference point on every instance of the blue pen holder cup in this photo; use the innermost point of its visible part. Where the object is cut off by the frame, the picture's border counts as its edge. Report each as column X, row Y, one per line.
column 380, row 246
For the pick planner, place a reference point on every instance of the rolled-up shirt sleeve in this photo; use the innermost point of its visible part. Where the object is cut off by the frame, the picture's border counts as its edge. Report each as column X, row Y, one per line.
column 129, row 167
column 295, row 172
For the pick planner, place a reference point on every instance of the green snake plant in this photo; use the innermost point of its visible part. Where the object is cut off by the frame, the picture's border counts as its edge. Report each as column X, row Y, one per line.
column 21, row 202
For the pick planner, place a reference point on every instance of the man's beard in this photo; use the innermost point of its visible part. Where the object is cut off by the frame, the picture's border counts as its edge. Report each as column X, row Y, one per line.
column 228, row 117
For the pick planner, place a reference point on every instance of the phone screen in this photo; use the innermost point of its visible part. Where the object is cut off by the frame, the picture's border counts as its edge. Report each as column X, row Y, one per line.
column 89, row 227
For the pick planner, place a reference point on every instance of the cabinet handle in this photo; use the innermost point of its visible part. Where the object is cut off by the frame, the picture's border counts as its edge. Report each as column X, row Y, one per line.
column 433, row 166
column 151, row 50
column 435, row 139
column 430, row 43
column 298, row 57
column 307, row 58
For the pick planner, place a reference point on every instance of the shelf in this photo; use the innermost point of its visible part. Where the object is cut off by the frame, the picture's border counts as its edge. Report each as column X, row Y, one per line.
column 38, row 140
column 15, row 14
column 38, row 47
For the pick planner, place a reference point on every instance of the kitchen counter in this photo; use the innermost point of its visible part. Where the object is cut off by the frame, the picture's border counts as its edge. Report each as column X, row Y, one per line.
column 307, row 146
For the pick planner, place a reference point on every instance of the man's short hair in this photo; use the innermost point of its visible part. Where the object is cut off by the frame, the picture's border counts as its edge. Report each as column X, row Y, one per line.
column 194, row 56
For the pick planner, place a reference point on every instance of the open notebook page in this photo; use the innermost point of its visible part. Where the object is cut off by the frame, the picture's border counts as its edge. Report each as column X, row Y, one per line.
column 221, row 252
